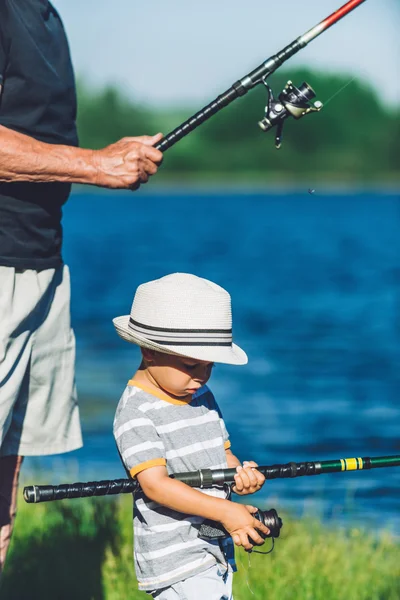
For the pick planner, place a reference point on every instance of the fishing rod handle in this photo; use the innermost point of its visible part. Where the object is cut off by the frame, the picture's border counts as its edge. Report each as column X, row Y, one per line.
column 205, row 478
column 203, row 115
column 47, row 493
column 33, row 494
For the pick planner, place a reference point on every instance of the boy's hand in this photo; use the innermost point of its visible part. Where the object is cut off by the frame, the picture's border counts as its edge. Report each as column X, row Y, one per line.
column 247, row 479
column 239, row 521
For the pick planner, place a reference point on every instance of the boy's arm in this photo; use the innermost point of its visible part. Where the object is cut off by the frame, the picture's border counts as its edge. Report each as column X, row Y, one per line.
column 231, row 459
column 176, row 495
column 247, row 479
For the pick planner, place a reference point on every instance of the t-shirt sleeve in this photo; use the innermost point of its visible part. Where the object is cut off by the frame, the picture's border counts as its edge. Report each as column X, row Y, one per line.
column 138, row 442
column 225, row 434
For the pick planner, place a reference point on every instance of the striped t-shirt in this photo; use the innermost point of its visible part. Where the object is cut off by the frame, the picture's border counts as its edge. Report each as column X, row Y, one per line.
column 152, row 429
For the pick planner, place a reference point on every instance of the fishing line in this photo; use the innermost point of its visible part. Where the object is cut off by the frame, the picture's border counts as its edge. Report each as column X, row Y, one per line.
column 246, row 571
column 340, row 90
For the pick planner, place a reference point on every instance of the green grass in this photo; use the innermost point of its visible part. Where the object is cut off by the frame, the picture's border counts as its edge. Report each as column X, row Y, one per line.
column 82, row 550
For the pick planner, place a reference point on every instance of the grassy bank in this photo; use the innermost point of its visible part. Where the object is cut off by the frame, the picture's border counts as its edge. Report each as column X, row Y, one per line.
column 82, row 550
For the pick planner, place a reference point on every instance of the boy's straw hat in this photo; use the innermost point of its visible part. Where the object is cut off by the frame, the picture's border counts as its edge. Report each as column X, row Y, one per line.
column 185, row 315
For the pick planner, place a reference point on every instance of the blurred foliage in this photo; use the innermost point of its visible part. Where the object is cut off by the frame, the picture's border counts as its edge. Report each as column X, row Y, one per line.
column 354, row 138
column 59, row 550
column 82, row 550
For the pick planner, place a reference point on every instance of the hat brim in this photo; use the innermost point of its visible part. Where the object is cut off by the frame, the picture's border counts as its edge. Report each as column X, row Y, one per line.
column 232, row 355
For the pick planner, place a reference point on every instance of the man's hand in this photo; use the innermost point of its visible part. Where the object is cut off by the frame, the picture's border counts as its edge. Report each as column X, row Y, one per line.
column 239, row 521
column 247, row 479
column 128, row 163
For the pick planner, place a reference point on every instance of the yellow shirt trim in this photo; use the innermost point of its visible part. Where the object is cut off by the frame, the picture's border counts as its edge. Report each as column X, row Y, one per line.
column 227, row 445
column 155, row 462
column 156, row 393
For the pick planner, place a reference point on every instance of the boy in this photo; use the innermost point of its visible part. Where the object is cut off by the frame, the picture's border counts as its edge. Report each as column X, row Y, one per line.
column 167, row 421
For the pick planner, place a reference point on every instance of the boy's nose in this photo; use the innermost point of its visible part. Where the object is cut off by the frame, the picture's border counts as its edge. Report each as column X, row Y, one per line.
column 202, row 372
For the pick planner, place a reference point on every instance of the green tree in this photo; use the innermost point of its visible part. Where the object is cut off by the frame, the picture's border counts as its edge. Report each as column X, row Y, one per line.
column 354, row 137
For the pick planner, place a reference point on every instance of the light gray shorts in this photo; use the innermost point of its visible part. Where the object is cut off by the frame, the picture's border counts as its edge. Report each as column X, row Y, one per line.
column 39, row 411
column 213, row 584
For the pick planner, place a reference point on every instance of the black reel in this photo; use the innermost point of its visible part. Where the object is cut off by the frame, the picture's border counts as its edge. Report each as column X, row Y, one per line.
column 212, row 530
column 270, row 519
column 291, row 102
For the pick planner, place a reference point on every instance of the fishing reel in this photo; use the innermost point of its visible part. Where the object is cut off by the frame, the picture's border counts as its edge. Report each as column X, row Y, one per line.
column 212, row 530
column 270, row 519
column 291, row 102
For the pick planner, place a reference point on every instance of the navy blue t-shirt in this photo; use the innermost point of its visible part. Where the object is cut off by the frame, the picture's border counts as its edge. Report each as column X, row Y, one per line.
column 38, row 99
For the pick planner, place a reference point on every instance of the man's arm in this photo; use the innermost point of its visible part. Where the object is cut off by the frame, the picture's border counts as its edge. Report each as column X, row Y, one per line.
column 176, row 495
column 125, row 164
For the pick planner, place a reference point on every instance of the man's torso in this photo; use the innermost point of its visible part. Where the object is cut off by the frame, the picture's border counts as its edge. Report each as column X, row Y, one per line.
column 38, row 100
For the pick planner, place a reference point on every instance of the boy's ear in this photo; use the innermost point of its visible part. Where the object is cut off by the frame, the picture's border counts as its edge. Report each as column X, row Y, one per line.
column 148, row 355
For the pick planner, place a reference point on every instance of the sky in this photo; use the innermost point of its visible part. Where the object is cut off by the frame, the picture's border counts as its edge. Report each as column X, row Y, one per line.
column 183, row 52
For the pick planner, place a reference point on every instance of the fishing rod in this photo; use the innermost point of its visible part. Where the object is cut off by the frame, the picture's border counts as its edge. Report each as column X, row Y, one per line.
column 291, row 102
column 206, row 478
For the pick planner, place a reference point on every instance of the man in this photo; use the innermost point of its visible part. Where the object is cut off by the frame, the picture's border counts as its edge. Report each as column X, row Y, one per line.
column 39, row 159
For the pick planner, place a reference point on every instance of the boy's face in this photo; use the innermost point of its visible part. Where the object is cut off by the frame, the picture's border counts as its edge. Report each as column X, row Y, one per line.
column 179, row 376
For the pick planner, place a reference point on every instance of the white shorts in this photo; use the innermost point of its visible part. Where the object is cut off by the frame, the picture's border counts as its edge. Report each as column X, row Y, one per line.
column 39, row 411
column 213, row 584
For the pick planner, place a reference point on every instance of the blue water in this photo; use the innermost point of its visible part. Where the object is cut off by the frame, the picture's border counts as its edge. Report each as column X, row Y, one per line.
column 315, row 283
